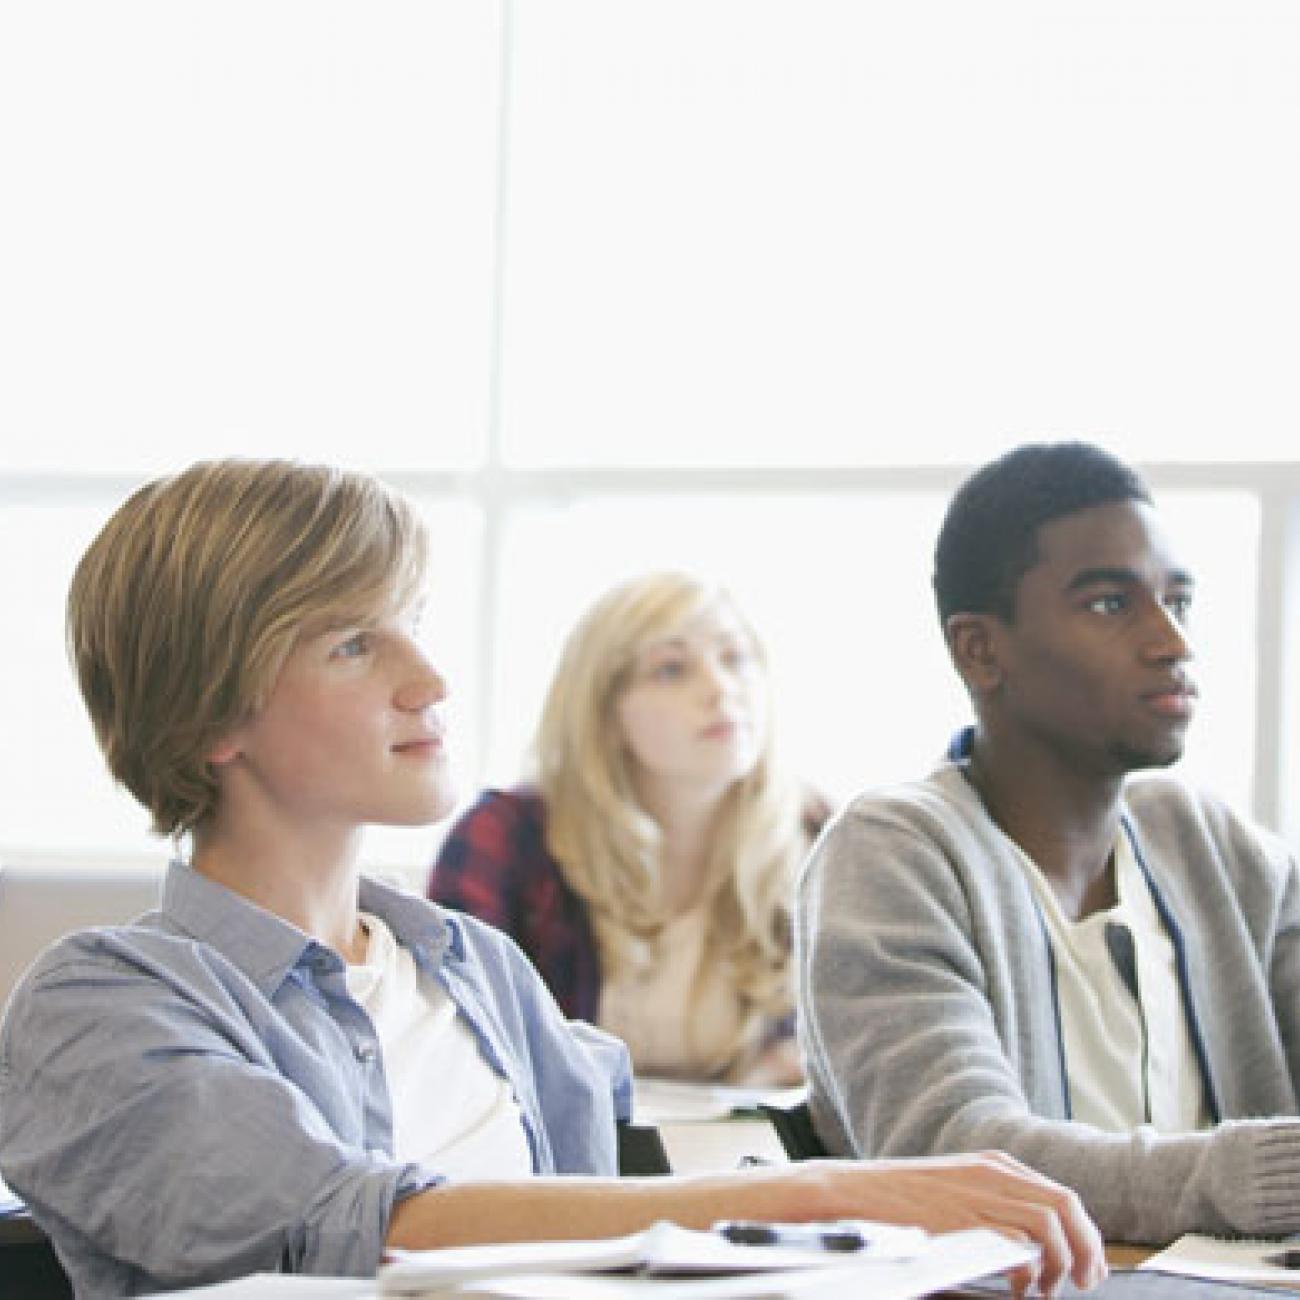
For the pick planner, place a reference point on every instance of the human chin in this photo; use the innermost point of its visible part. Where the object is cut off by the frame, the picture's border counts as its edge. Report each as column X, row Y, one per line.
column 426, row 806
column 740, row 763
column 1139, row 758
column 444, row 799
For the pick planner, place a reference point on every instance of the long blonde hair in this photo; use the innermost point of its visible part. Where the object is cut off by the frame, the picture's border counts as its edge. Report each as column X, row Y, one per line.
column 608, row 846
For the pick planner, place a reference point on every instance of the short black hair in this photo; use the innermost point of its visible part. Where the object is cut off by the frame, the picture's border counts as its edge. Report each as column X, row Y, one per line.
column 989, row 538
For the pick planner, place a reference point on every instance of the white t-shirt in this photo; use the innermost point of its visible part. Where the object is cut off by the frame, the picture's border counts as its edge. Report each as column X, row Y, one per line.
column 675, row 1020
column 1129, row 1061
column 451, row 1110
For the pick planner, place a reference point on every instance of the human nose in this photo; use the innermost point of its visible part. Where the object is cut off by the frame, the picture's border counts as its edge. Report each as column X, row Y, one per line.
column 421, row 685
column 720, row 680
column 1167, row 637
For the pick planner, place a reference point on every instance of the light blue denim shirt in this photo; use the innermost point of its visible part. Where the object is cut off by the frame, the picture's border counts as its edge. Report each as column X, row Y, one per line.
column 196, row 1096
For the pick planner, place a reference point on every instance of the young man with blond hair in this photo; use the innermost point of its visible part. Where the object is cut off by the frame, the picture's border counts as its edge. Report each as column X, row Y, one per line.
column 290, row 1066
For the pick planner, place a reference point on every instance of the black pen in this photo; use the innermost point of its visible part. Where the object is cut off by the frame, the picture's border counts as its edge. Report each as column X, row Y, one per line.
column 1284, row 1258
column 806, row 1236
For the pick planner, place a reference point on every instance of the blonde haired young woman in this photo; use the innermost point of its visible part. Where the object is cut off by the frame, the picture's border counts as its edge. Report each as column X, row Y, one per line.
column 648, row 871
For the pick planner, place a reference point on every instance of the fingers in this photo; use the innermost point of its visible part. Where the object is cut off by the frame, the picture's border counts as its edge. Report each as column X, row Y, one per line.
column 1035, row 1224
column 1086, row 1249
column 1054, row 1217
column 997, row 1191
column 988, row 1190
column 1023, row 1280
column 1024, row 1277
column 1086, row 1244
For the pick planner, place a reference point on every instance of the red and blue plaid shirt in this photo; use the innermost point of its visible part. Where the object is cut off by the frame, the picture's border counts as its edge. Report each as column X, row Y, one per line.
column 494, row 865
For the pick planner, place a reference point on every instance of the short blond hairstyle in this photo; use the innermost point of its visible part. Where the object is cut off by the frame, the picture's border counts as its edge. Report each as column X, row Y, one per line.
column 607, row 846
column 184, row 607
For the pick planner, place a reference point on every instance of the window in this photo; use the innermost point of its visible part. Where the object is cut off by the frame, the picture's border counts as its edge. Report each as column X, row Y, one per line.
column 246, row 228
column 835, row 233
column 739, row 285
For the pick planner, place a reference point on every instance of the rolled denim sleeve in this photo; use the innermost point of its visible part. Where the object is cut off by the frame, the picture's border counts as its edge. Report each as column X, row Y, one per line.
column 142, row 1117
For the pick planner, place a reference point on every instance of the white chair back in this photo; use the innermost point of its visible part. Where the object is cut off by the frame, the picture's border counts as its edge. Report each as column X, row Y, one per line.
column 40, row 903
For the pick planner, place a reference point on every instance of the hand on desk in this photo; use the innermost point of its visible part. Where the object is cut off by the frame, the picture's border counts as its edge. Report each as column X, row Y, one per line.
column 984, row 1190
column 942, row 1194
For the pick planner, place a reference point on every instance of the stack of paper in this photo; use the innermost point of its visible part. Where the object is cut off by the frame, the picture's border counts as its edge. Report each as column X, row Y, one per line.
column 669, row 1262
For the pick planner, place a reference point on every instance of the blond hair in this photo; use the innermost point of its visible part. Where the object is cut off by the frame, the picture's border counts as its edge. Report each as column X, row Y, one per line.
column 183, row 609
column 607, row 846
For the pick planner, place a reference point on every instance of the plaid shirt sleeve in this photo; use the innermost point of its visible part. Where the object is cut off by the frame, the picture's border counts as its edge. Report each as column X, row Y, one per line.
column 494, row 865
column 474, row 871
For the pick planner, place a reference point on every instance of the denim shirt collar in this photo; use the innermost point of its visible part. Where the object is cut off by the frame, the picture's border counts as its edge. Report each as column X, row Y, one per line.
column 267, row 948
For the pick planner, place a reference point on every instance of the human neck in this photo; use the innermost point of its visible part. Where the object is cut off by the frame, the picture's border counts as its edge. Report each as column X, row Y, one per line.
column 309, row 881
column 1066, row 821
column 687, row 824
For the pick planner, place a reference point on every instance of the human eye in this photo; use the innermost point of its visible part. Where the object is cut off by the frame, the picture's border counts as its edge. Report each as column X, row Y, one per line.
column 736, row 657
column 671, row 669
column 353, row 646
column 1108, row 603
column 1179, row 604
column 416, row 620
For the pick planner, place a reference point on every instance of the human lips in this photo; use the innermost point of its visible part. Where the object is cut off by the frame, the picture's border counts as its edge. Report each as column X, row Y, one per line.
column 429, row 742
column 1175, row 699
column 723, row 729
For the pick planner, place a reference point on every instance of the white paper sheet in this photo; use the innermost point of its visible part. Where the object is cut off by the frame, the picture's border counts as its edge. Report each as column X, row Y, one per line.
column 1225, row 1260
column 279, row 1286
column 9, row 1203
column 930, row 1264
column 674, row 1101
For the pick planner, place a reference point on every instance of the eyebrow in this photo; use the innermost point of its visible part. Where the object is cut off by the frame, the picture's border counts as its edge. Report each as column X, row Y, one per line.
column 330, row 624
column 1120, row 577
column 665, row 643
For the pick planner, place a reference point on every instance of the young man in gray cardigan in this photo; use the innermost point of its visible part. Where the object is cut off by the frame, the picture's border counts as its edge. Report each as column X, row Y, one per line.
column 1030, row 949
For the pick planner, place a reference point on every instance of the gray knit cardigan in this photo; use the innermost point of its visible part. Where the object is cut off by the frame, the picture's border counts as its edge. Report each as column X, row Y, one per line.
column 928, row 1016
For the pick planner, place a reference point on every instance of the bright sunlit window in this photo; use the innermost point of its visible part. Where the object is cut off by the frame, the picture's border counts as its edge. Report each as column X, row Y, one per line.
column 843, row 233
column 246, row 227
column 742, row 285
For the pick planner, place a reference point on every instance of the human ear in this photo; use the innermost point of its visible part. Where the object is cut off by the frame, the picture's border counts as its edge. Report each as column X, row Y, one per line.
column 226, row 750
column 973, row 645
